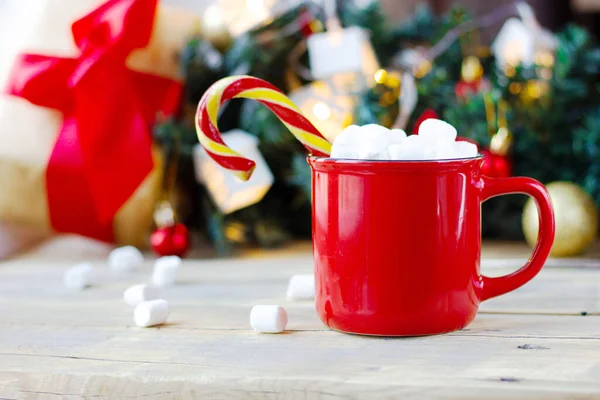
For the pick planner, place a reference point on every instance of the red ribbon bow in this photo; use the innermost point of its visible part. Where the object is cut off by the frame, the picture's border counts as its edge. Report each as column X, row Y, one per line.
column 104, row 148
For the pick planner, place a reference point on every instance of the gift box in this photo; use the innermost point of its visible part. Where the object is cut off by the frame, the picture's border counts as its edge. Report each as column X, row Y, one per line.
column 84, row 81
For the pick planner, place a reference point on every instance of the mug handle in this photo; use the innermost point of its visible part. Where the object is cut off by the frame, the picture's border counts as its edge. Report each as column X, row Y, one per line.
column 492, row 187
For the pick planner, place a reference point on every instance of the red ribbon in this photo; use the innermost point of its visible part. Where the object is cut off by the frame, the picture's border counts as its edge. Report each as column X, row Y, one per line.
column 104, row 148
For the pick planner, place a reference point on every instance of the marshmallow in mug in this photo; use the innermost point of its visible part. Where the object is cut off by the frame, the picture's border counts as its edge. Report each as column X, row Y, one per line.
column 436, row 141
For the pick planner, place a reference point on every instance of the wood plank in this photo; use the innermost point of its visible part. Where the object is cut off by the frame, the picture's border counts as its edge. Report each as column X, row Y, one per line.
column 250, row 280
column 104, row 361
column 54, row 343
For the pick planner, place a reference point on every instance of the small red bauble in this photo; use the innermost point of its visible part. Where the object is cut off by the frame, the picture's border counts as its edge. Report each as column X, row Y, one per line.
column 463, row 89
column 171, row 240
column 495, row 165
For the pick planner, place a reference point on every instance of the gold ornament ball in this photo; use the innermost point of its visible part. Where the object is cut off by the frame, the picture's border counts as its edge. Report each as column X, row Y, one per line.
column 214, row 29
column 576, row 219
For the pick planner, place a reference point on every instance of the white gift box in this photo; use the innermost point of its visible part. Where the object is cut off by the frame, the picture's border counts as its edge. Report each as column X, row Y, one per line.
column 29, row 132
column 227, row 191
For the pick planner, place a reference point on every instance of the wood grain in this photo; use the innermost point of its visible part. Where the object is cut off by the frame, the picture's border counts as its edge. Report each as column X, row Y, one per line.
column 531, row 344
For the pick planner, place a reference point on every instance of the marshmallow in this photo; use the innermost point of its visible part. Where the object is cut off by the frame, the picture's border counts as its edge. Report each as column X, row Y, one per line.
column 151, row 313
column 166, row 270
column 137, row 294
column 125, row 258
column 348, row 136
column 465, row 149
column 374, row 129
column 344, row 152
column 435, row 141
column 373, row 142
column 437, row 130
column 79, row 277
column 373, row 153
column 412, row 148
column 345, row 144
column 396, row 136
column 268, row 319
column 301, row 287
column 439, row 151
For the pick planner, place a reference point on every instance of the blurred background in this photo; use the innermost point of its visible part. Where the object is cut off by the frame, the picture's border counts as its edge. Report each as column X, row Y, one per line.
column 552, row 14
column 97, row 117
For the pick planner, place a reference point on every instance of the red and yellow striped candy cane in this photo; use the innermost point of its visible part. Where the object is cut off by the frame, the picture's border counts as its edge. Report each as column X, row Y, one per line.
column 257, row 89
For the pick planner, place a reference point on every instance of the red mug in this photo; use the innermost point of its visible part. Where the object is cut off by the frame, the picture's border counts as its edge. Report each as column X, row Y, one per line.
column 397, row 244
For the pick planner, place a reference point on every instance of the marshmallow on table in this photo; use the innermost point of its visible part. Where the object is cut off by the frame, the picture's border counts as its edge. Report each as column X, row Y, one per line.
column 137, row 294
column 151, row 313
column 268, row 319
column 166, row 270
column 301, row 287
column 79, row 277
column 126, row 258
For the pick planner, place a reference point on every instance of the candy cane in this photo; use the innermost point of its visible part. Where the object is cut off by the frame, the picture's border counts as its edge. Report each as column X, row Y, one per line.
column 257, row 89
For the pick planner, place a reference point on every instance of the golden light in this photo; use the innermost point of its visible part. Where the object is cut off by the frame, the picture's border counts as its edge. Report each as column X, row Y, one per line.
column 535, row 90
column 471, row 69
column 422, row 69
column 515, row 87
column 381, row 76
column 321, row 111
column 509, row 70
column 544, row 58
column 389, row 98
column 501, row 141
column 514, row 52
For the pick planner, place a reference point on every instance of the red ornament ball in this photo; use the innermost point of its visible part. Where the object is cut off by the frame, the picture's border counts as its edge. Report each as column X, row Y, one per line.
column 495, row 165
column 171, row 240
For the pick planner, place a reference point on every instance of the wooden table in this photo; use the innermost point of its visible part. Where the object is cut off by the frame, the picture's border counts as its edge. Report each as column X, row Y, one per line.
column 542, row 341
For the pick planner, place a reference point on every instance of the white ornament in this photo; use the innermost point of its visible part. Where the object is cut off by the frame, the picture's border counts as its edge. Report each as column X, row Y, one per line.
column 227, row 191
column 342, row 51
column 520, row 40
